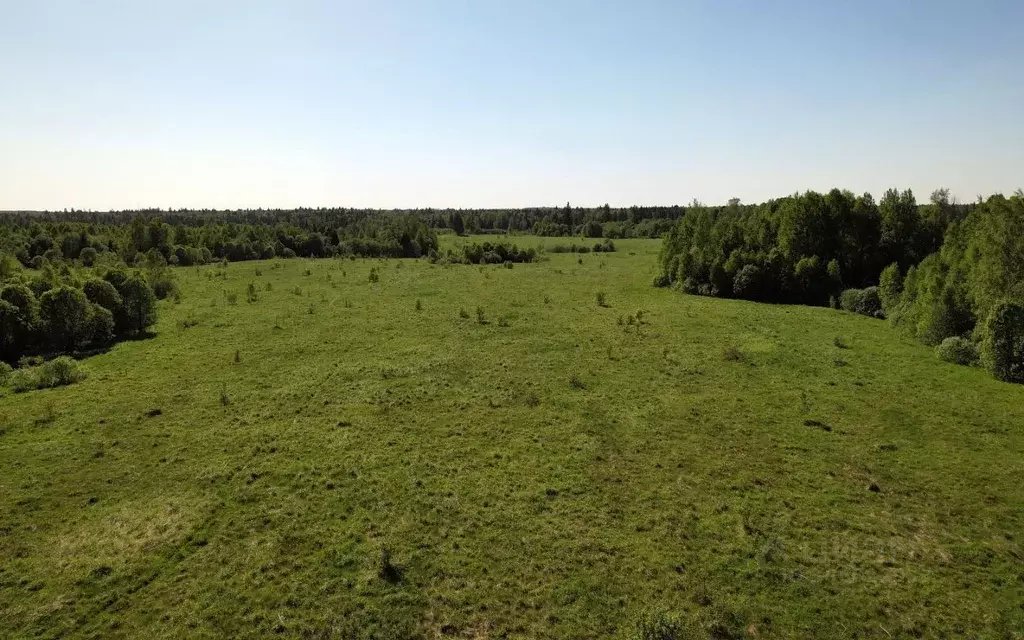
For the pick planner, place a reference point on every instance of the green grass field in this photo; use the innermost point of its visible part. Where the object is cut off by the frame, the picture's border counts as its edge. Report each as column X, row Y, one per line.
column 369, row 469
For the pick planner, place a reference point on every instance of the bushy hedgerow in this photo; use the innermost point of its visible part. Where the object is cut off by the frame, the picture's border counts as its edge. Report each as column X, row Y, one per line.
column 492, row 253
column 606, row 246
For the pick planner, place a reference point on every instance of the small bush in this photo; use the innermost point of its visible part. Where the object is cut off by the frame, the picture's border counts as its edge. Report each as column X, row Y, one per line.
column 480, row 317
column 5, row 373
column 61, row 371
column 576, row 383
column 232, row 298
column 863, row 301
column 238, row 356
column 24, row 380
column 839, row 342
column 419, row 305
column 662, row 281
column 958, row 351
column 225, row 399
column 101, row 324
column 601, row 300
column 374, row 276
column 463, row 314
column 163, row 286
column 251, row 295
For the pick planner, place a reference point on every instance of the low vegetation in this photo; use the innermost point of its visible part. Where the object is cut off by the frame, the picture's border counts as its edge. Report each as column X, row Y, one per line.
column 702, row 468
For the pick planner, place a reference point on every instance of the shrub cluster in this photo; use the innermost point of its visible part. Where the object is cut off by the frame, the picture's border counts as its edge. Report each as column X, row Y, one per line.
column 58, row 372
column 863, row 301
column 58, row 312
column 605, row 246
column 491, row 253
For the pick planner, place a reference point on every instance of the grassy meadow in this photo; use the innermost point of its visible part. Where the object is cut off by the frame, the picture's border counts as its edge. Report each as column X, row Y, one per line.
column 342, row 458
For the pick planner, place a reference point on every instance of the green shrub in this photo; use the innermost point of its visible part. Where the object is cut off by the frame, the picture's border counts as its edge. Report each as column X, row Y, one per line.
column 87, row 256
column 1002, row 346
column 601, row 301
column 5, row 373
column 139, row 307
column 102, row 293
column 958, row 351
column 19, row 318
column 23, row 380
column 15, row 332
column 101, row 324
column 61, row 371
column 65, row 314
column 862, row 301
column 890, row 287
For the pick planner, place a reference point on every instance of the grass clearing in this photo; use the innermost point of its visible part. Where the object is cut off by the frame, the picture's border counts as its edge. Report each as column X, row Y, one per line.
column 356, row 453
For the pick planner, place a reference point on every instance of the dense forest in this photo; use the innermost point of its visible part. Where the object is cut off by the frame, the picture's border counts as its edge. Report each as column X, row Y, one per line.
column 951, row 275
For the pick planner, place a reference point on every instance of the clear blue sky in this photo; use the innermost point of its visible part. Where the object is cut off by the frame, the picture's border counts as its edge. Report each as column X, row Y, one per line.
column 236, row 103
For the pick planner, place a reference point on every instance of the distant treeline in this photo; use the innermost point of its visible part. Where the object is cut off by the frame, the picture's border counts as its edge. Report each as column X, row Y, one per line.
column 940, row 271
column 187, row 238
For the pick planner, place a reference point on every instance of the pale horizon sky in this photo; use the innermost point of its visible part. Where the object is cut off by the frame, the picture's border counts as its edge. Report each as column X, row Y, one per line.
column 405, row 104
